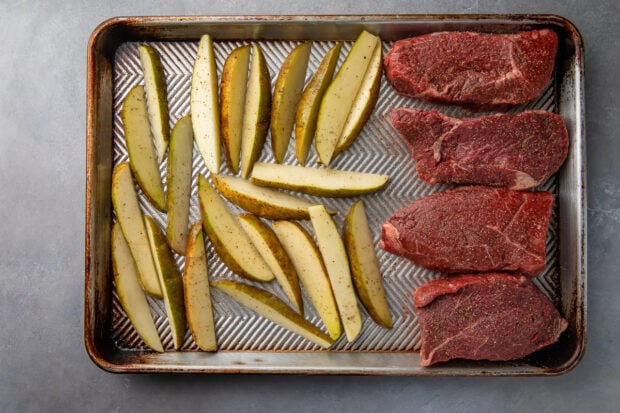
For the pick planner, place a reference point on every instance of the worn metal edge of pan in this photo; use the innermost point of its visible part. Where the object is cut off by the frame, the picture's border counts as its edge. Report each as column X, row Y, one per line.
column 107, row 360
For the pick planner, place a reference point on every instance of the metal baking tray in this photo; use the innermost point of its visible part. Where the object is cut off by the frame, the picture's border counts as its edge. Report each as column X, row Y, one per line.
column 247, row 342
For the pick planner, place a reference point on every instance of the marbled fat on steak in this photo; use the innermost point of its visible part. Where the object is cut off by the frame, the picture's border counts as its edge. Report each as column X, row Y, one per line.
column 494, row 316
column 476, row 69
column 515, row 151
column 472, row 229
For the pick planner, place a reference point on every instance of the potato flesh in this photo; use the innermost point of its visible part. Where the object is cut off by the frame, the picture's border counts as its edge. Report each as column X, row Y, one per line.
column 340, row 95
column 204, row 105
column 156, row 98
column 140, row 146
column 337, row 264
column 170, row 281
column 317, row 181
column 232, row 100
column 274, row 309
column 287, row 92
column 310, row 101
column 227, row 236
column 129, row 215
column 179, row 184
column 364, row 266
column 197, row 292
column 130, row 292
column 311, row 272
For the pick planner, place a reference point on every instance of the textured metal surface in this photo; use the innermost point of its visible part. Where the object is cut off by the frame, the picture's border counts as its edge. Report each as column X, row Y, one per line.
column 378, row 149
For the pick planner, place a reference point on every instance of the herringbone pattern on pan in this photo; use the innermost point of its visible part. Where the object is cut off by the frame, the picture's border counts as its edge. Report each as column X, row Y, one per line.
column 378, row 149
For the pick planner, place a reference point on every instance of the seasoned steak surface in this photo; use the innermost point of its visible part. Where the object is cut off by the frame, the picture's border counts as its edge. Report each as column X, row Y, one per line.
column 472, row 229
column 475, row 69
column 515, row 151
column 493, row 316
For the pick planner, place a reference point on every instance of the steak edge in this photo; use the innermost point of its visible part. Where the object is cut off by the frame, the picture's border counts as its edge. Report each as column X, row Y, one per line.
column 495, row 317
column 514, row 151
column 475, row 69
column 473, row 229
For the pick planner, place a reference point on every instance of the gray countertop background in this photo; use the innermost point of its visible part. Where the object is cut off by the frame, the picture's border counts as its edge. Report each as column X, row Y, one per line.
column 43, row 364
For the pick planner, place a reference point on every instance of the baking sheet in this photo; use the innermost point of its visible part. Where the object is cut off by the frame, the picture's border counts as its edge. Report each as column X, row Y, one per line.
column 248, row 342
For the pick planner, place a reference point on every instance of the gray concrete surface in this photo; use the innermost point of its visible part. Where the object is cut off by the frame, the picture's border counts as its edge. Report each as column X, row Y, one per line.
column 43, row 364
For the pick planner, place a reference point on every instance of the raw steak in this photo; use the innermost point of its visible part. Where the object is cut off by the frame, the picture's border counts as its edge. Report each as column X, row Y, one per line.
column 494, row 316
column 476, row 69
column 515, row 151
column 472, row 229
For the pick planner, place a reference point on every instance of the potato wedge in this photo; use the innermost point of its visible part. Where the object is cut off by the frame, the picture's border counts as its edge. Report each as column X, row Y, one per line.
column 286, row 94
column 129, row 215
column 255, row 112
column 233, row 86
column 274, row 309
column 204, row 105
column 169, row 279
column 364, row 267
column 156, row 98
column 340, row 95
column 228, row 238
column 310, row 101
column 130, row 291
column 311, row 272
column 197, row 293
column 316, row 181
column 337, row 265
column 140, row 146
column 364, row 102
column 262, row 201
column 179, row 183
column 275, row 256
